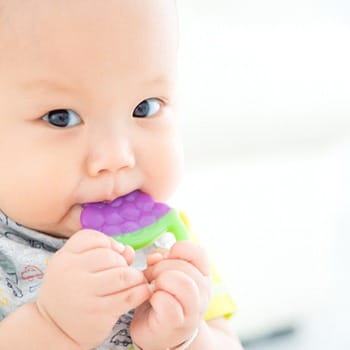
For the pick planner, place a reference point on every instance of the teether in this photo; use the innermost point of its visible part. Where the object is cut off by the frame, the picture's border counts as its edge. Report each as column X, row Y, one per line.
column 134, row 219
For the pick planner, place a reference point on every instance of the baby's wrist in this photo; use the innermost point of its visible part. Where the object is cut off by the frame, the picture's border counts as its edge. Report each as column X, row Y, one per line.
column 182, row 346
column 187, row 342
column 54, row 328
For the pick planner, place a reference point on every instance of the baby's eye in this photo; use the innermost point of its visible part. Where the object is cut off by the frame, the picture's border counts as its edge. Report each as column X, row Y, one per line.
column 62, row 118
column 147, row 108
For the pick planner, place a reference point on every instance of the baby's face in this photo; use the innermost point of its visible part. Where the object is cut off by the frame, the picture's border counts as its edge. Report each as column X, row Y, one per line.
column 87, row 106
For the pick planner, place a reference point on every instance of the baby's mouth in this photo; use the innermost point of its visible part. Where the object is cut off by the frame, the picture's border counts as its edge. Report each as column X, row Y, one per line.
column 103, row 200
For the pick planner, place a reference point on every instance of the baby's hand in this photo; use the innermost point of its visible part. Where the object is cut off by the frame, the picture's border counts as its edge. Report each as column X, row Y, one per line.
column 88, row 285
column 180, row 300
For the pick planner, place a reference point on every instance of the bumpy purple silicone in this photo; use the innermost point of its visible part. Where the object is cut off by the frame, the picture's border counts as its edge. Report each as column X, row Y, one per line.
column 125, row 214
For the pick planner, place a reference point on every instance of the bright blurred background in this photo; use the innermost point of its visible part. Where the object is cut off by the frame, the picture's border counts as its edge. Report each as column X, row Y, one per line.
column 265, row 90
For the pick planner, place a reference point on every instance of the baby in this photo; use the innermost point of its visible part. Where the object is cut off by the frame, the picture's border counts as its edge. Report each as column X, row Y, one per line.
column 88, row 114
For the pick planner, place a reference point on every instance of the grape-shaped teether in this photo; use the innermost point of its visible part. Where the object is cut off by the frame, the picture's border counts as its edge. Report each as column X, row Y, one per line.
column 134, row 219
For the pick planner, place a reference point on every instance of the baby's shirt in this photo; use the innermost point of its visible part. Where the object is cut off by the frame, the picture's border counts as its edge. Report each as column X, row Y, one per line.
column 24, row 255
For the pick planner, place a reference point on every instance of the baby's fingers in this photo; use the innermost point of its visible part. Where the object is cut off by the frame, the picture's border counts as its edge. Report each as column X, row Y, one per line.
column 86, row 240
column 126, row 300
column 192, row 253
column 202, row 282
column 184, row 292
column 116, row 280
column 166, row 309
column 101, row 259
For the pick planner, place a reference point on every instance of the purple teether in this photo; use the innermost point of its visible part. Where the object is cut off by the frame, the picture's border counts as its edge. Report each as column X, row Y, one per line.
column 134, row 219
column 129, row 213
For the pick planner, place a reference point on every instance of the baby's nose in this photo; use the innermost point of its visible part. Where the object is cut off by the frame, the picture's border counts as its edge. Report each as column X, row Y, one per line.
column 111, row 154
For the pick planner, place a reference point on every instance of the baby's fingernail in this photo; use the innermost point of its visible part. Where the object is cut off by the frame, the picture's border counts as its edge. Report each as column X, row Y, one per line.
column 119, row 247
column 156, row 256
column 163, row 252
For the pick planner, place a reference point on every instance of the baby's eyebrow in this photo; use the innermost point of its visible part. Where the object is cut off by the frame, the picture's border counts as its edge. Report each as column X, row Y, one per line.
column 158, row 80
column 67, row 87
column 46, row 84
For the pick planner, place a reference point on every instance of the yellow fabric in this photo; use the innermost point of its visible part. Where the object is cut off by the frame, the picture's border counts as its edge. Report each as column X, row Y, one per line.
column 221, row 304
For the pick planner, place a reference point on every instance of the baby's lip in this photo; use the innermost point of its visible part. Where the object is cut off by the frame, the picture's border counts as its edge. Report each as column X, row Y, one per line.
column 107, row 199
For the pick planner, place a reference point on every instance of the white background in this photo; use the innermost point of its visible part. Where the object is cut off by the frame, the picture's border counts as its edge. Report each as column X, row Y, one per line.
column 265, row 89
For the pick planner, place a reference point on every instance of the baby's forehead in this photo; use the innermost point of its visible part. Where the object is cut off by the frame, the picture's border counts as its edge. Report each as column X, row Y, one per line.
column 101, row 47
column 133, row 27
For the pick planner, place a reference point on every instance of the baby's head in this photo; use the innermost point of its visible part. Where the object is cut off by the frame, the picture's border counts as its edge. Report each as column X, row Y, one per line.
column 87, row 98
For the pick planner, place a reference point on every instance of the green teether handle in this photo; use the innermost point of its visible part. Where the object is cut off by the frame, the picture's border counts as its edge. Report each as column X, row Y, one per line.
column 171, row 222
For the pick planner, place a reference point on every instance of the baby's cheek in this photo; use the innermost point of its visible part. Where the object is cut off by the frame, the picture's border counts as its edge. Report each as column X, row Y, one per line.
column 163, row 167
